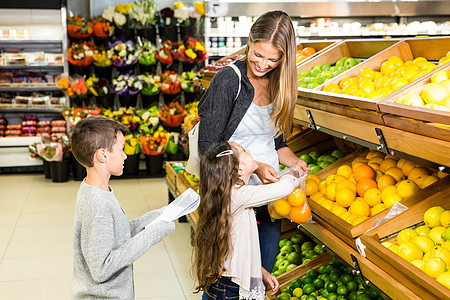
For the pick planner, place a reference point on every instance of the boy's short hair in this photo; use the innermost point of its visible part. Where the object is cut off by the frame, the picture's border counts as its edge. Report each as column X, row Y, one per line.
column 94, row 133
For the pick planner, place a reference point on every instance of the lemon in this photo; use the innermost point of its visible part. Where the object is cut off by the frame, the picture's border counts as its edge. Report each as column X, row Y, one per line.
column 434, row 267
column 419, row 263
column 445, row 218
column 439, row 76
column 423, row 230
column 446, row 245
column 345, row 215
column 406, row 235
column 338, row 210
column 432, row 216
column 386, row 244
column 331, row 191
column 425, row 243
column 442, row 253
column 406, row 188
column 392, row 199
column 433, row 93
column 344, row 170
column 436, row 235
column 387, row 191
column 377, row 208
column 394, row 248
column 410, row 252
column 444, row 279
column 359, row 219
column 316, row 195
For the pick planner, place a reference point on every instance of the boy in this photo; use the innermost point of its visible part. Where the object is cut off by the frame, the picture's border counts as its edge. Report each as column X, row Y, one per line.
column 105, row 243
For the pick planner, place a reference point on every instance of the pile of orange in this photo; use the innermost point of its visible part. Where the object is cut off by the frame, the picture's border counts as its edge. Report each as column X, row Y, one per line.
column 304, row 54
column 370, row 184
column 392, row 75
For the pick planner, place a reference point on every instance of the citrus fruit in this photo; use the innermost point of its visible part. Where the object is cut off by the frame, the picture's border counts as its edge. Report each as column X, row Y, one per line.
column 316, row 195
column 442, row 253
column 433, row 93
column 366, row 73
column 409, row 251
column 311, row 186
column 374, row 153
column 345, row 197
column 387, row 191
column 331, row 191
column 416, row 171
column 419, row 264
column 429, row 180
column 445, row 219
column 388, row 68
column 338, row 210
column 315, row 178
column 300, row 214
column 436, row 235
column 273, row 213
column 439, row 76
column 396, row 173
column 346, row 184
column 359, row 208
column 337, row 179
column 345, row 170
column 346, row 214
column 365, row 184
column 329, row 179
column 297, row 197
column 377, row 208
column 373, row 196
column 350, row 218
column 406, row 188
column 385, row 180
column 394, row 248
column 359, row 219
column 425, row 243
column 391, row 199
column 331, row 87
column 432, row 216
column 364, row 171
column 406, row 235
column 444, row 279
column 423, row 230
column 328, row 204
column 282, row 207
column 376, row 160
column 434, row 267
column 308, row 51
column 396, row 60
column 323, row 187
column 407, row 167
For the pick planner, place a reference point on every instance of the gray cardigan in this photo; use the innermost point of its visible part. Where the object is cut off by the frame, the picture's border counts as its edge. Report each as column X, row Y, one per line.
column 219, row 113
column 106, row 244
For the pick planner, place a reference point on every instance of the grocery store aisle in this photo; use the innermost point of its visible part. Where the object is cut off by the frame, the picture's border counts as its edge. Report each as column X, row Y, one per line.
column 36, row 219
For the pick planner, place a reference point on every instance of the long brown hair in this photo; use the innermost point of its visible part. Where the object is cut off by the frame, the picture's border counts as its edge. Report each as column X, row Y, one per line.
column 213, row 231
column 276, row 27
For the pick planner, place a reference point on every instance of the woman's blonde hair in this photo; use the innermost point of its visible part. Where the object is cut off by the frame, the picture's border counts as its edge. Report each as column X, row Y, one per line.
column 276, row 27
column 213, row 231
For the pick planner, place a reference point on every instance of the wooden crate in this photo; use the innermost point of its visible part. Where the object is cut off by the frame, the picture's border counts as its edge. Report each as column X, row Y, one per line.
column 171, row 175
column 411, row 277
column 298, row 272
column 389, row 105
column 319, row 46
column 344, row 230
column 432, row 48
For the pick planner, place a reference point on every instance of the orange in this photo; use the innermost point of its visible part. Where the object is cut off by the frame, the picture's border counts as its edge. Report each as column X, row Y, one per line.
column 338, row 178
column 416, row 171
column 359, row 208
column 331, row 87
column 419, row 180
column 396, row 173
column 379, row 174
column 429, row 181
column 374, row 166
column 345, row 170
column 385, row 181
column 338, row 210
column 387, row 163
column 391, row 157
column 316, row 196
column 407, row 167
column 300, row 214
column 345, row 197
column 364, row 171
column 315, row 178
column 282, row 207
column 376, row 160
column 308, row 51
column 331, row 191
column 273, row 213
column 373, row 154
column 400, row 162
column 346, row 184
column 406, row 188
column 328, row 204
column 297, row 197
column 359, row 219
column 311, row 186
column 372, row 196
column 364, row 185
column 377, row 208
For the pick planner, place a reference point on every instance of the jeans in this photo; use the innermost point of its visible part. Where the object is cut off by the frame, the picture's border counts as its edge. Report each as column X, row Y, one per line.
column 221, row 290
column 269, row 237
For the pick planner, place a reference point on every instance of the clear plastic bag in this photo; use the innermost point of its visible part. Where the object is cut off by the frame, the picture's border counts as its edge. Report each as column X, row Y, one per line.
column 295, row 206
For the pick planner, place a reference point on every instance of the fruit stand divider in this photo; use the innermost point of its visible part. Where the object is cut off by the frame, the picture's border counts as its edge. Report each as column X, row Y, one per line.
column 410, row 276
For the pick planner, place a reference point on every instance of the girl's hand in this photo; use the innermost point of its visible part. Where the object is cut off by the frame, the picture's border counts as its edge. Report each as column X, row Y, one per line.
column 271, row 280
column 266, row 173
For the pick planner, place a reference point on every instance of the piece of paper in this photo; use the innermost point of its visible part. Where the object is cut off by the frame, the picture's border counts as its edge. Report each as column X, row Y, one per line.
column 184, row 204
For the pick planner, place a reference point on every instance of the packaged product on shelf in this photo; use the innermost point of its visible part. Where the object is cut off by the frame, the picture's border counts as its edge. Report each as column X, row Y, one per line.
column 16, row 59
column 54, row 58
column 36, row 58
column 21, row 101
column 5, row 77
column 19, row 79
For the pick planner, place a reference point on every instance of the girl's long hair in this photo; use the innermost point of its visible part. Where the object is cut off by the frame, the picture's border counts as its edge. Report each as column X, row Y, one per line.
column 212, row 240
column 276, row 27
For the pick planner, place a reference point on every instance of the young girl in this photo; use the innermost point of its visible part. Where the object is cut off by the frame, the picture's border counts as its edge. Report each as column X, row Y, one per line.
column 227, row 259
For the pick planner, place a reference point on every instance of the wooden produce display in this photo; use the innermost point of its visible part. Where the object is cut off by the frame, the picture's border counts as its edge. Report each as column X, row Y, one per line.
column 346, row 231
column 319, row 46
column 410, row 276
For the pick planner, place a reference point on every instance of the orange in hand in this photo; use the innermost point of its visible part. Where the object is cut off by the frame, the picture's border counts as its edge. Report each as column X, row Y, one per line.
column 297, row 197
column 300, row 214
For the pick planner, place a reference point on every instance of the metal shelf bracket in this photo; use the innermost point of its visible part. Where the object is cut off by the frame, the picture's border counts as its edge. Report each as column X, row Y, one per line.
column 311, row 121
column 382, row 147
column 357, row 270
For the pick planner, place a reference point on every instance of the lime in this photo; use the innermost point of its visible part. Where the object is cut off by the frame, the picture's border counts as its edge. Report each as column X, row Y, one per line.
column 296, row 283
column 334, row 276
column 319, row 283
column 303, row 297
column 311, row 297
column 308, row 288
column 331, row 286
column 352, row 295
column 308, row 159
column 306, row 279
column 288, row 289
column 322, row 269
column 342, row 290
column 346, row 278
column 326, row 277
column 332, row 296
column 325, row 293
column 284, row 296
column 297, row 292
column 373, row 293
column 312, row 273
column 363, row 296
column 352, row 286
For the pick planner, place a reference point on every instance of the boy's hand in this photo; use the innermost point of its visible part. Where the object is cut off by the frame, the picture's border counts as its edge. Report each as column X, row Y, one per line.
column 271, row 280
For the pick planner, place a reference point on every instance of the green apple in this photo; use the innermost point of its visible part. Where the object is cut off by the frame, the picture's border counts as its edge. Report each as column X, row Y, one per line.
column 326, row 67
column 321, row 158
column 314, row 73
column 315, row 169
column 303, row 74
column 282, row 255
column 319, row 249
column 324, row 79
column 314, row 155
column 446, row 234
column 287, row 248
column 294, row 258
column 313, row 85
column 278, row 262
column 282, row 242
column 350, row 62
column 277, row 273
column 338, row 154
column 298, row 239
column 297, row 248
column 317, row 67
column 308, row 159
column 341, row 62
column 326, row 73
column 330, row 158
column 324, row 164
column 307, row 246
column 292, row 266
column 283, row 265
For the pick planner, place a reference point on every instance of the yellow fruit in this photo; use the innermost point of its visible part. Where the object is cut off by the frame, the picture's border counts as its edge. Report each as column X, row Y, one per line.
column 442, row 253
column 409, row 251
column 273, row 213
column 399, row 83
column 445, row 219
column 439, row 76
column 432, row 216
column 311, row 187
column 315, row 178
column 374, row 166
column 282, row 207
column 406, row 188
column 321, row 200
column 330, row 87
column 331, row 191
column 387, row 191
column 376, row 160
column 394, row 248
column 379, row 174
column 345, row 197
column 359, row 219
column 345, row 215
column 416, row 172
column 338, row 178
column 345, row 170
column 407, row 167
column 396, row 173
column 419, row 180
column 392, row 199
column 329, row 179
column 387, row 163
column 346, row 184
column 386, row 244
column 446, row 245
column 297, row 197
column 446, row 85
column 429, row 180
column 385, row 181
column 419, row 264
column 338, row 210
column 359, row 208
column 316, row 196
column 328, row 204
column 436, row 235
column 406, row 235
column 434, row 267
column 400, row 162
column 425, row 243
column 444, row 279
column 372, row 196
column 423, row 230
column 377, row 209
column 396, row 60
column 373, row 154
column 433, row 93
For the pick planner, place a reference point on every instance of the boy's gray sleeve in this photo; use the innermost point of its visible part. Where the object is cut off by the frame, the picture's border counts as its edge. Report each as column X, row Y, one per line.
column 138, row 224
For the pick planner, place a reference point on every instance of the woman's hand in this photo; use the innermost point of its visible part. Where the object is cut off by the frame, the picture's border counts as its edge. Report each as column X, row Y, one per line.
column 288, row 158
column 271, row 280
column 266, row 173
column 303, row 165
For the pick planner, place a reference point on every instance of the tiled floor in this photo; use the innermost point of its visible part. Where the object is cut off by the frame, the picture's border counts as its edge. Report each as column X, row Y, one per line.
column 36, row 219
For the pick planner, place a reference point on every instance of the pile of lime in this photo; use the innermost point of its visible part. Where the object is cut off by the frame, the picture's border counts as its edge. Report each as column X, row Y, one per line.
column 317, row 161
column 332, row 281
column 295, row 251
column 321, row 73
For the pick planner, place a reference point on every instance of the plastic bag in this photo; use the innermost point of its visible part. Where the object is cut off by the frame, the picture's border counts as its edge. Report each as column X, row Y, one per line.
column 295, row 206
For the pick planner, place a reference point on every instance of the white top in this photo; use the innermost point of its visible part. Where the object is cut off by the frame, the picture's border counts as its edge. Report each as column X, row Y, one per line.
column 244, row 262
column 256, row 132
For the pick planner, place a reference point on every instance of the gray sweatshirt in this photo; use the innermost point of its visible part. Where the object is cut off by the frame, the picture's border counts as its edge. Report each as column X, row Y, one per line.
column 106, row 244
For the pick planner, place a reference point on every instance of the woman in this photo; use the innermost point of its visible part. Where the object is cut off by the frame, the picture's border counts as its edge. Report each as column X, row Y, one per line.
column 261, row 116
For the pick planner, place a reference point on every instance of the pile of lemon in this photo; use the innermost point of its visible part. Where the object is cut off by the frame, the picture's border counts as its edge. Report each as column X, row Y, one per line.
column 393, row 74
column 428, row 246
column 370, row 184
